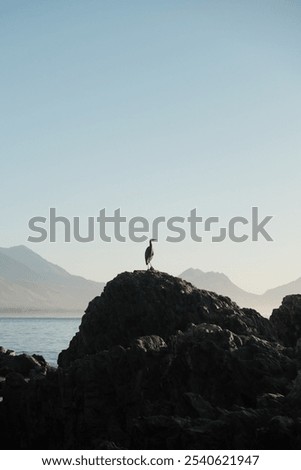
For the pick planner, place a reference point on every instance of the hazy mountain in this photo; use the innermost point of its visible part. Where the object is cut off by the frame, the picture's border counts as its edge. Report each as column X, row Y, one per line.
column 220, row 283
column 29, row 282
column 274, row 296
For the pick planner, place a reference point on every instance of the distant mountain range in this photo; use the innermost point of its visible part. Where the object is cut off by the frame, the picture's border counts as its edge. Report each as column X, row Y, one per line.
column 220, row 283
column 30, row 283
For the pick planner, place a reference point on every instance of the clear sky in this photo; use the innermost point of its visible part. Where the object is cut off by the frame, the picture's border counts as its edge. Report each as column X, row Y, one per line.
column 154, row 107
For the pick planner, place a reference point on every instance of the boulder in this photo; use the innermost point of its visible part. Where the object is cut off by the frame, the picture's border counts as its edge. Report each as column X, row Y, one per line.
column 286, row 320
column 21, row 363
column 146, row 303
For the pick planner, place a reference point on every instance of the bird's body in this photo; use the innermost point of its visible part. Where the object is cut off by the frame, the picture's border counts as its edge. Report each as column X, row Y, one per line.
column 149, row 253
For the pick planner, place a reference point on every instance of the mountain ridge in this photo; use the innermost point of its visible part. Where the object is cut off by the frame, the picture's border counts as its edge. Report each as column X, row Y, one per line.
column 28, row 282
column 219, row 282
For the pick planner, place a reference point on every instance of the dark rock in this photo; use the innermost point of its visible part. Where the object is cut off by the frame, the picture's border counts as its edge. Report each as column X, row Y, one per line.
column 146, row 303
column 226, row 368
column 230, row 430
column 270, row 400
column 294, row 396
column 14, row 381
column 40, row 359
column 159, row 364
column 22, row 363
column 287, row 320
column 105, row 445
column 281, row 432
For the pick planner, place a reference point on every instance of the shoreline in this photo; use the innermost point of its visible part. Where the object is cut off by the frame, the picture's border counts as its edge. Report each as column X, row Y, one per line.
column 41, row 314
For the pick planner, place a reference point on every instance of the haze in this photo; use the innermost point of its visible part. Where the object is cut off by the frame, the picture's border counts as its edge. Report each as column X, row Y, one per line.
column 155, row 108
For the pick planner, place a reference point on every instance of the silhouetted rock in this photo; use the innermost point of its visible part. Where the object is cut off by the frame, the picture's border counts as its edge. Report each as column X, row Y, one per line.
column 159, row 364
column 287, row 320
column 154, row 303
column 21, row 363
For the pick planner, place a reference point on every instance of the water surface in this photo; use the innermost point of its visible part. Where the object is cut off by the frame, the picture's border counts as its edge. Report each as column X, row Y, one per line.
column 45, row 336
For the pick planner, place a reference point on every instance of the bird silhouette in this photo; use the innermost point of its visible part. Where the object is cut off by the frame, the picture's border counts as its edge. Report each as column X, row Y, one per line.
column 149, row 253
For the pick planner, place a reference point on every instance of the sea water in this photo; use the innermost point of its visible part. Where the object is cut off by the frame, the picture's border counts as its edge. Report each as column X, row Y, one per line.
column 45, row 336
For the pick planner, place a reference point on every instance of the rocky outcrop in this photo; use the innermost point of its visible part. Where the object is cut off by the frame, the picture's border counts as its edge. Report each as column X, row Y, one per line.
column 150, row 302
column 159, row 364
column 287, row 320
column 22, row 363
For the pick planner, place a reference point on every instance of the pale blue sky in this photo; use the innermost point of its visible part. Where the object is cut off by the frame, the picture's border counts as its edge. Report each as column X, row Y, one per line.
column 156, row 107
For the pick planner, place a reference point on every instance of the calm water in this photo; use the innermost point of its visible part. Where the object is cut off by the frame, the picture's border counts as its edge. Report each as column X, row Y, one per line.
column 46, row 336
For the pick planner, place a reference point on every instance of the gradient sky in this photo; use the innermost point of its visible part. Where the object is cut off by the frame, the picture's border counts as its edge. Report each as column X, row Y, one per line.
column 154, row 107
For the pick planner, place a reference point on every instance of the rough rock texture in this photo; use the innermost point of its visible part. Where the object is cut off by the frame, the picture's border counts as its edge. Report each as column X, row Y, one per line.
column 150, row 302
column 22, row 363
column 159, row 364
column 287, row 319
